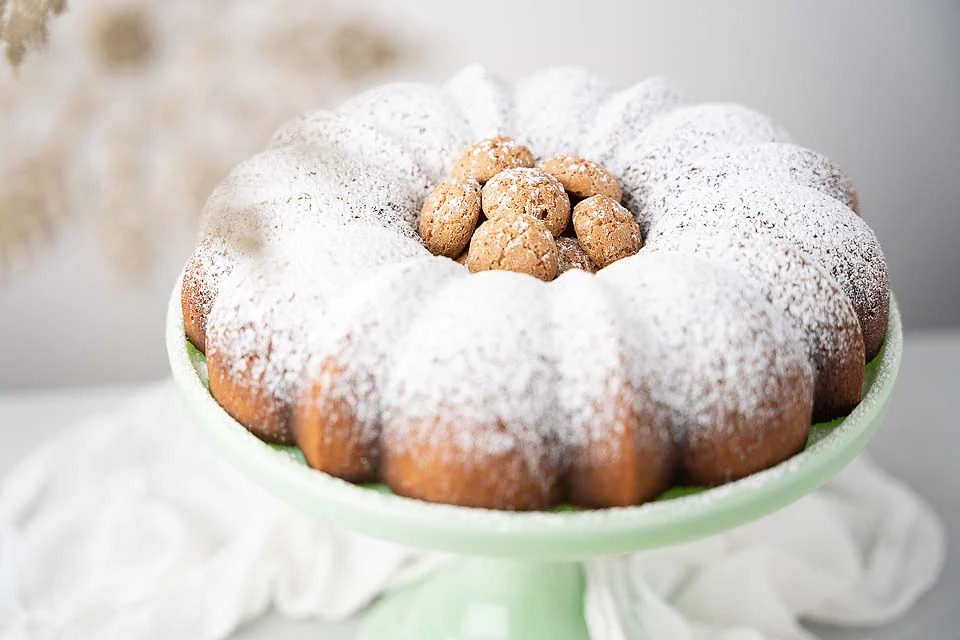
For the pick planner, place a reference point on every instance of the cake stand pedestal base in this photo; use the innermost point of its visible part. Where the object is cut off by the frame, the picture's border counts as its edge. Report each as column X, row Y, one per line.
column 485, row 599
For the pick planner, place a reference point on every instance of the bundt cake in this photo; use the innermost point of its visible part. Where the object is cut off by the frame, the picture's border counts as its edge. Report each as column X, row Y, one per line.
column 740, row 305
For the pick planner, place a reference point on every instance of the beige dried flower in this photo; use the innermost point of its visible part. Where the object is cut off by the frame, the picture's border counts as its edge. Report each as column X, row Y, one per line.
column 29, row 209
column 137, row 108
column 360, row 49
column 23, row 23
column 122, row 38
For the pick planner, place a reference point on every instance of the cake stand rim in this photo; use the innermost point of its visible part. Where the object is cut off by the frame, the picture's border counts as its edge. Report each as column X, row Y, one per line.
column 529, row 535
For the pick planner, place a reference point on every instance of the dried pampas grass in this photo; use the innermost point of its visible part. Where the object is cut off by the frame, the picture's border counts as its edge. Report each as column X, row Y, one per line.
column 24, row 23
column 135, row 109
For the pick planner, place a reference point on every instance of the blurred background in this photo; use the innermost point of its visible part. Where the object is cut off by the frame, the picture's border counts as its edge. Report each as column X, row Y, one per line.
column 114, row 131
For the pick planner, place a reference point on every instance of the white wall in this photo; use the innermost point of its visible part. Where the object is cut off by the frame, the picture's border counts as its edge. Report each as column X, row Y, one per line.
column 874, row 84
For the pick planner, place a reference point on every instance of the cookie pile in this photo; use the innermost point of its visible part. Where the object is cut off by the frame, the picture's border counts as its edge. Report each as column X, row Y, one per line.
column 529, row 226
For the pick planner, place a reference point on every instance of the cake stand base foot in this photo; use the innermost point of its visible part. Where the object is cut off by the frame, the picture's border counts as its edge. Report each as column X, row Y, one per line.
column 484, row 599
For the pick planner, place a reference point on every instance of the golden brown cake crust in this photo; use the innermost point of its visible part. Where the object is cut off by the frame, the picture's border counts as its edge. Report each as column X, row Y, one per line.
column 249, row 400
column 874, row 328
column 436, row 469
column 741, row 446
column 633, row 460
column 327, row 430
column 838, row 381
column 196, row 299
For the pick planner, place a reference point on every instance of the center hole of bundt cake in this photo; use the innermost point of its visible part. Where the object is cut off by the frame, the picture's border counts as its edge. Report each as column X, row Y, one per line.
column 501, row 209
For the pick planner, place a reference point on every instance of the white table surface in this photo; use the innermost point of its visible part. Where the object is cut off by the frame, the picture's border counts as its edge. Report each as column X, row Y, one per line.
column 919, row 442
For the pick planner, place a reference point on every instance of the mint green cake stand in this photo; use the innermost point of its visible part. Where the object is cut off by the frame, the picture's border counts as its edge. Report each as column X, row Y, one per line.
column 516, row 575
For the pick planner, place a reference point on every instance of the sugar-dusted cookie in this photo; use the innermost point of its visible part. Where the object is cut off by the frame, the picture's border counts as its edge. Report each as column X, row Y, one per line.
column 582, row 178
column 519, row 243
column 606, row 231
column 487, row 158
column 528, row 191
column 572, row 256
column 449, row 216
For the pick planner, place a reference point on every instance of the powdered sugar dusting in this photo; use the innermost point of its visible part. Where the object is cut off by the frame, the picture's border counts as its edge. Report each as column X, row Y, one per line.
column 678, row 137
column 802, row 292
column 312, row 255
column 803, row 218
column 361, row 142
column 624, row 115
column 769, row 162
column 593, row 354
column 553, row 108
column 371, row 318
column 423, row 120
column 439, row 371
column 715, row 348
column 210, row 263
column 287, row 190
column 275, row 303
column 484, row 101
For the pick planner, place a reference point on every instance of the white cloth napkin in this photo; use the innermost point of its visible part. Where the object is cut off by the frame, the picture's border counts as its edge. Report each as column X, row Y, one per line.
column 859, row 551
column 129, row 526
